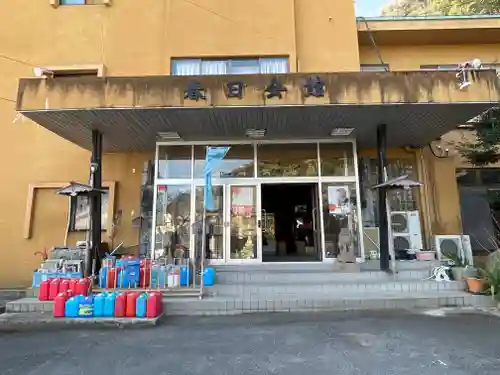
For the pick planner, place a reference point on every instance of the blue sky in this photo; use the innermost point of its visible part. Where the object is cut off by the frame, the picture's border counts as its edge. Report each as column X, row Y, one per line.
column 370, row 8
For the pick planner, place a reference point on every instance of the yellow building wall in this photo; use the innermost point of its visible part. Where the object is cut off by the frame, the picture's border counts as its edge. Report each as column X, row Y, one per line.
column 137, row 38
column 130, row 38
column 412, row 57
column 442, row 189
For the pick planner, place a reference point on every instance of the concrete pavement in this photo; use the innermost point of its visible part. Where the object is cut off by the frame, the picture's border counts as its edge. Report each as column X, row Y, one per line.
column 386, row 342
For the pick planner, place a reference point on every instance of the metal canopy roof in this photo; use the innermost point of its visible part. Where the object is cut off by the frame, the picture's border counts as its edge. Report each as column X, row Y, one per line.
column 136, row 129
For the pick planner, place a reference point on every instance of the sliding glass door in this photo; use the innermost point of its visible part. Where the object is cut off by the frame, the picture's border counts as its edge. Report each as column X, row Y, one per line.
column 244, row 224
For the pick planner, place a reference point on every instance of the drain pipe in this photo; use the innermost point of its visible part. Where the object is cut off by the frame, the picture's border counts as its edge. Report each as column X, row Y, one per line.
column 426, row 199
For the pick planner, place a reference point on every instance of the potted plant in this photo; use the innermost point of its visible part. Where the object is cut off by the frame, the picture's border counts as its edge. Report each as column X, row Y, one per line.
column 488, row 280
column 460, row 268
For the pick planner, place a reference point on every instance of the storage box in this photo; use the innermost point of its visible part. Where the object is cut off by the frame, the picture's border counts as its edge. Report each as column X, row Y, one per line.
column 426, row 255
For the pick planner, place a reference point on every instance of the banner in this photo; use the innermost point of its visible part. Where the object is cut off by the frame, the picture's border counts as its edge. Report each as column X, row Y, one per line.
column 214, row 156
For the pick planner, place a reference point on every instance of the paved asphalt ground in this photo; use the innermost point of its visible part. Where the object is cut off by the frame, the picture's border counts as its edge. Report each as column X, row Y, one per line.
column 293, row 344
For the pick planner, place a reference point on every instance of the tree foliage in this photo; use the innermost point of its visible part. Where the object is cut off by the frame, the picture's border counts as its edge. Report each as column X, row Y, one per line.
column 484, row 149
column 441, row 7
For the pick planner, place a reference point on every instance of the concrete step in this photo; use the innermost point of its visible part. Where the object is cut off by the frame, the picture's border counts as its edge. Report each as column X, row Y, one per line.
column 353, row 301
column 292, row 302
column 313, row 277
column 15, row 322
column 409, row 286
column 374, row 265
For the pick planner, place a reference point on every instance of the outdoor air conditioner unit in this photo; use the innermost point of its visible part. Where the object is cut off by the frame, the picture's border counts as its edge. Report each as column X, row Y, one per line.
column 406, row 230
column 455, row 244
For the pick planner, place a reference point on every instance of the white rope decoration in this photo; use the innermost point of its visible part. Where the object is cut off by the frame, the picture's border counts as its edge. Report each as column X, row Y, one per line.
column 439, row 274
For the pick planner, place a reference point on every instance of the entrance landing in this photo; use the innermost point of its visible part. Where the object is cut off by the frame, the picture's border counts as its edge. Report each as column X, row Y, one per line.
column 316, row 287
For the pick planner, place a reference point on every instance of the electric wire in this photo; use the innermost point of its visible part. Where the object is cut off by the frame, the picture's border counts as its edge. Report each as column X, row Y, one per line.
column 215, row 13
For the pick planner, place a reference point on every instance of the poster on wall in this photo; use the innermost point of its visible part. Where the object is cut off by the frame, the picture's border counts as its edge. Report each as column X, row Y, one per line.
column 242, row 201
column 338, row 200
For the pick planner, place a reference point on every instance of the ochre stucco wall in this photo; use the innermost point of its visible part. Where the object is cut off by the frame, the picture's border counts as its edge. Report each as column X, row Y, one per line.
column 412, row 57
column 130, row 38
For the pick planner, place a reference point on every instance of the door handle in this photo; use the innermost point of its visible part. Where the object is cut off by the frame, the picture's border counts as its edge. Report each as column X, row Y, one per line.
column 314, row 219
column 259, row 224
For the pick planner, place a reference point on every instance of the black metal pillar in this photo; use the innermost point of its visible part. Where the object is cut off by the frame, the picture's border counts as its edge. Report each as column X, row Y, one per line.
column 382, row 194
column 95, row 200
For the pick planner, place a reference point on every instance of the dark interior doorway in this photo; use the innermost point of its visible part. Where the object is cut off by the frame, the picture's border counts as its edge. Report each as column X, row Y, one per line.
column 290, row 223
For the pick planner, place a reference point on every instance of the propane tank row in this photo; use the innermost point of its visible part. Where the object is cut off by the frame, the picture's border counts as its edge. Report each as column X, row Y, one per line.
column 148, row 275
column 49, row 289
column 118, row 305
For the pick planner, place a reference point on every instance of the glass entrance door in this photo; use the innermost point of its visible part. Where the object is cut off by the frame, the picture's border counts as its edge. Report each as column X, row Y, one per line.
column 214, row 224
column 243, row 225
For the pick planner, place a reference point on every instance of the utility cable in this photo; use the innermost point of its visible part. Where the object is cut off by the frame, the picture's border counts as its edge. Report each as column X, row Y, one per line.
column 227, row 18
column 18, row 61
column 374, row 43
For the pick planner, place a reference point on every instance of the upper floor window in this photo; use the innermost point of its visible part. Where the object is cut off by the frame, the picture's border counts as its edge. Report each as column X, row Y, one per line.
column 455, row 66
column 265, row 65
column 57, row 3
column 374, row 67
column 73, row 2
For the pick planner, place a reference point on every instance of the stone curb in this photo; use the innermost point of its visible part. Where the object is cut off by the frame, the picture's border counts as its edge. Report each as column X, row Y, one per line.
column 18, row 322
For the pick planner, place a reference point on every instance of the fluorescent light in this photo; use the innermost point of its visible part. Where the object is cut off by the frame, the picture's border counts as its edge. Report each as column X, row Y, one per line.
column 255, row 133
column 341, row 132
column 168, row 135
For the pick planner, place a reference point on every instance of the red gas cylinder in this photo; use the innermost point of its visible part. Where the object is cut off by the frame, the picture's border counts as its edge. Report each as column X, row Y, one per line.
column 43, row 292
column 160, row 301
column 120, row 305
column 153, row 305
column 145, row 276
column 54, row 288
column 59, row 305
column 82, row 288
column 131, row 302
column 64, row 286
column 111, row 278
column 72, row 285
column 70, row 293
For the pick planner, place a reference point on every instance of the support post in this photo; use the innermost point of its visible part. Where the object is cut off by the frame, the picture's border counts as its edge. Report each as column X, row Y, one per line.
column 382, row 195
column 95, row 201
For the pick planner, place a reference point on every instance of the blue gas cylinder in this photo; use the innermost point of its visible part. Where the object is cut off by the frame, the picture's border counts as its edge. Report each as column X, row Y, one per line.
column 134, row 269
column 209, row 276
column 155, row 276
column 103, row 275
column 86, row 307
column 109, row 305
column 99, row 301
column 184, row 276
column 71, row 307
column 140, row 305
column 122, row 279
column 163, row 277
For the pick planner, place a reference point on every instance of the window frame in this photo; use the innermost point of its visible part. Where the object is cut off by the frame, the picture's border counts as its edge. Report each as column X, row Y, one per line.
column 454, row 67
column 58, row 3
column 374, row 68
column 229, row 63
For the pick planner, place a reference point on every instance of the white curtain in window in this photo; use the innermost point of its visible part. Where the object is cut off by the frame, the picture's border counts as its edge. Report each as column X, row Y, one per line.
column 72, row 2
column 186, row 67
column 273, row 65
column 213, row 67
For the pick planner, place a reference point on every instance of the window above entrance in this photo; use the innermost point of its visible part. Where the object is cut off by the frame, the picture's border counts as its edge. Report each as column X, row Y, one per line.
column 264, row 65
